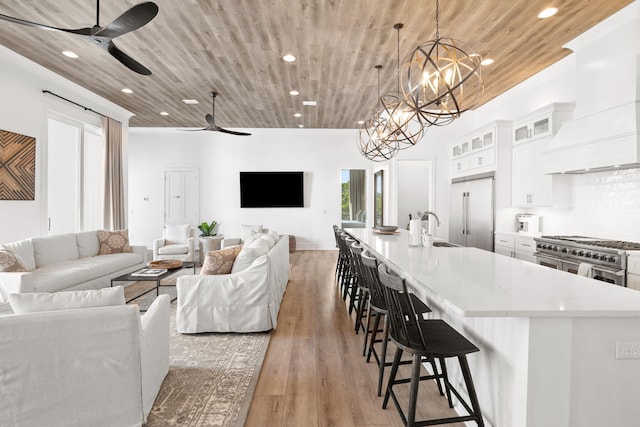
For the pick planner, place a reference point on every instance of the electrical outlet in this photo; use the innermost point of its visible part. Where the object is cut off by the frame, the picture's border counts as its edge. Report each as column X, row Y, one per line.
column 628, row 350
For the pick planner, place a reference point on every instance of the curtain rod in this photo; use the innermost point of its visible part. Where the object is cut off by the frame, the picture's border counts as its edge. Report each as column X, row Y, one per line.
column 74, row 103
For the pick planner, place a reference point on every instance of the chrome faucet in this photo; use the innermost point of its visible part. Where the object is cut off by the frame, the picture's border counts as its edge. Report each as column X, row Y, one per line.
column 424, row 216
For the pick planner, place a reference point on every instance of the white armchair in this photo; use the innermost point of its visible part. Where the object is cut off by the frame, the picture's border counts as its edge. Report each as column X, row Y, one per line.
column 177, row 243
column 99, row 366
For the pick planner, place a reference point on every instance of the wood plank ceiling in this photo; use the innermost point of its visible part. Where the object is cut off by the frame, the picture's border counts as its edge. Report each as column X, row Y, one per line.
column 235, row 47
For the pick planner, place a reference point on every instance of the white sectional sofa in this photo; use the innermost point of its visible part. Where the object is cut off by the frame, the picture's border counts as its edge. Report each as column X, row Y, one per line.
column 244, row 301
column 67, row 262
column 101, row 366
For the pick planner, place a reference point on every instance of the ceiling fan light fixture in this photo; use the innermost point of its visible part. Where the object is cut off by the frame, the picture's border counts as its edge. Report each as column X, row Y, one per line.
column 70, row 54
column 289, row 58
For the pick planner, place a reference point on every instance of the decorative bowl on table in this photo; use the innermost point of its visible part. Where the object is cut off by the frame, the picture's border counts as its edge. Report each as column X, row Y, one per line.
column 169, row 264
column 386, row 229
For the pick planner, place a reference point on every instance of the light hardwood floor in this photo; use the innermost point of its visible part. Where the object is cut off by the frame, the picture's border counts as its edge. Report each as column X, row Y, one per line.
column 314, row 373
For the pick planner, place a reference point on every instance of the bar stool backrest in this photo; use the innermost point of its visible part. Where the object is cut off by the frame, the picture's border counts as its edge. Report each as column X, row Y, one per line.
column 405, row 328
column 356, row 250
column 370, row 274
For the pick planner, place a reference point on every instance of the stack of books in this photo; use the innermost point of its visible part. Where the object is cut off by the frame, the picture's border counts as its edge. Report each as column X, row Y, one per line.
column 149, row 272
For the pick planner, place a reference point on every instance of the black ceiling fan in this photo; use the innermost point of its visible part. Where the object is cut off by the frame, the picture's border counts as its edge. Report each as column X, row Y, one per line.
column 212, row 124
column 134, row 18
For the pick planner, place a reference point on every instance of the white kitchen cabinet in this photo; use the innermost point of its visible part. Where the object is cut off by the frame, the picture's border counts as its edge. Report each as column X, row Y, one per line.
column 477, row 152
column 542, row 123
column 633, row 282
column 515, row 246
column 530, row 187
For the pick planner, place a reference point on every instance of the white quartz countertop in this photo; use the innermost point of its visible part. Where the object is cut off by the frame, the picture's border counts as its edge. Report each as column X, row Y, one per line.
column 475, row 283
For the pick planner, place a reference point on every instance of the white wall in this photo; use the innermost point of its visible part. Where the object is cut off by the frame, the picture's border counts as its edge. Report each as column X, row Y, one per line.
column 321, row 154
column 24, row 109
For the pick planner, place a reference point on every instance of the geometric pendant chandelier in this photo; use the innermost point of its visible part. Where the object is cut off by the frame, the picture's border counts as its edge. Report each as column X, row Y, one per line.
column 373, row 135
column 404, row 124
column 441, row 79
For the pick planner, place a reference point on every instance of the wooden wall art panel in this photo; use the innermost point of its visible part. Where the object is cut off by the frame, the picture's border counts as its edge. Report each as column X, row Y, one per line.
column 17, row 166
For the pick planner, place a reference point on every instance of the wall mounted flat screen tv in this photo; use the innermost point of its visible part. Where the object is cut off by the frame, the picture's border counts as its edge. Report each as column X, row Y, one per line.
column 271, row 189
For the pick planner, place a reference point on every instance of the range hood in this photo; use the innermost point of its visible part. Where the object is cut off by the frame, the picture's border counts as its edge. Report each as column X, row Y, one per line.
column 604, row 133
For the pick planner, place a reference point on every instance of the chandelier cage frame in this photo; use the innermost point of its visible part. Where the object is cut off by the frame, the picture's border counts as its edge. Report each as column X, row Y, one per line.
column 442, row 79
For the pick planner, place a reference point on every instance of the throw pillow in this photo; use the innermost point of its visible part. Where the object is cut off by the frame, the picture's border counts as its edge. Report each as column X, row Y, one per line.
column 275, row 235
column 52, row 249
column 88, row 243
column 252, row 238
column 113, row 242
column 248, row 230
column 270, row 240
column 35, row 302
column 10, row 262
column 220, row 262
column 24, row 250
column 248, row 254
column 176, row 234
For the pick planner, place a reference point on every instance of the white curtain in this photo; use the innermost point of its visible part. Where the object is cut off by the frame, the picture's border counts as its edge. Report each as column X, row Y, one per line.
column 114, row 218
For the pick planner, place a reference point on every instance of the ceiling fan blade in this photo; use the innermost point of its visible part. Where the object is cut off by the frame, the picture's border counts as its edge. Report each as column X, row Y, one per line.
column 232, row 132
column 126, row 60
column 134, row 18
column 209, row 118
column 81, row 31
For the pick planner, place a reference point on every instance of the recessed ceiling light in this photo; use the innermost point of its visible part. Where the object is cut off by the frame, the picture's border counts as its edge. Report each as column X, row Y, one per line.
column 548, row 12
column 164, row 113
column 301, row 126
column 360, row 122
column 127, row 90
column 190, row 101
column 294, row 93
column 310, row 103
column 289, row 58
column 70, row 54
column 487, row 61
column 297, row 115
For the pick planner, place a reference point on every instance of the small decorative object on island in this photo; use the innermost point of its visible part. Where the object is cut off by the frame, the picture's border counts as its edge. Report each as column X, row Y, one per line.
column 208, row 230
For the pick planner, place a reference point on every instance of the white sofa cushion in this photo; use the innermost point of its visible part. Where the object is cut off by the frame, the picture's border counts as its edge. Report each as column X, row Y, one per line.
column 24, row 250
column 248, row 254
column 173, row 249
column 247, row 230
column 176, row 234
column 36, row 302
column 88, row 243
column 65, row 274
column 51, row 249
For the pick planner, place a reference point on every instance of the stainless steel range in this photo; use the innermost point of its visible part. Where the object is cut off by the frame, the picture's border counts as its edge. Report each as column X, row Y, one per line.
column 608, row 258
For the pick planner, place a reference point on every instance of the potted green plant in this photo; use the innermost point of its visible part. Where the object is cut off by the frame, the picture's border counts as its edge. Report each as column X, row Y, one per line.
column 208, row 230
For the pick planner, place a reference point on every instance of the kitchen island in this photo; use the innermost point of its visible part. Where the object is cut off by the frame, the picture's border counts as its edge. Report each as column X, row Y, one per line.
column 547, row 338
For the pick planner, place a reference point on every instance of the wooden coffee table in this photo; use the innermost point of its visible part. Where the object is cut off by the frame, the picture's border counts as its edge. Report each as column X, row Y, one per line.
column 130, row 278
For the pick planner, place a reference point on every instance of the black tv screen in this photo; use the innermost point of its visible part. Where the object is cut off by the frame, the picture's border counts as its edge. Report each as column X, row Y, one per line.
column 271, row 190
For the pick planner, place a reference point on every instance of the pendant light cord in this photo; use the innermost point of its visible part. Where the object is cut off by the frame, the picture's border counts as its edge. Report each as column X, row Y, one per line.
column 437, row 19
column 398, row 62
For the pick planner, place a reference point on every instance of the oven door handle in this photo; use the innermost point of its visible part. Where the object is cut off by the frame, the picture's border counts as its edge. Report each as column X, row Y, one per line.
column 549, row 257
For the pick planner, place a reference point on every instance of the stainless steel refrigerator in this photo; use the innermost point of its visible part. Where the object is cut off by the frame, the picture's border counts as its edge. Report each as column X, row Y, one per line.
column 471, row 216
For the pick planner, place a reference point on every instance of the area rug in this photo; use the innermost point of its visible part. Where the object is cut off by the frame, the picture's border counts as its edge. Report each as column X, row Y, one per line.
column 211, row 379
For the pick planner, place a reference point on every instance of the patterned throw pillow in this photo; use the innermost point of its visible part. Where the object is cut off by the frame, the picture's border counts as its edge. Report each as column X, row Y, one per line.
column 220, row 262
column 10, row 262
column 113, row 242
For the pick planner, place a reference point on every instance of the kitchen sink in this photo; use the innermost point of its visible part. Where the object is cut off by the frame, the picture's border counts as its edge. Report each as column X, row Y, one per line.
column 444, row 244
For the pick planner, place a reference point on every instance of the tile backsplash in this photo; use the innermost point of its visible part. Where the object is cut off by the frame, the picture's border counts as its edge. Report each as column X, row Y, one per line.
column 605, row 204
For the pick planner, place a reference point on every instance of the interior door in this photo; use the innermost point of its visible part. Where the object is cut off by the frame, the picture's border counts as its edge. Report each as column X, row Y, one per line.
column 181, row 196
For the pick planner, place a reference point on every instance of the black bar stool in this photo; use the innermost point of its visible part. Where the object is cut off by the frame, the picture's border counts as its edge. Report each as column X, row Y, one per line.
column 362, row 297
column 378, row 308
column 425, row 339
